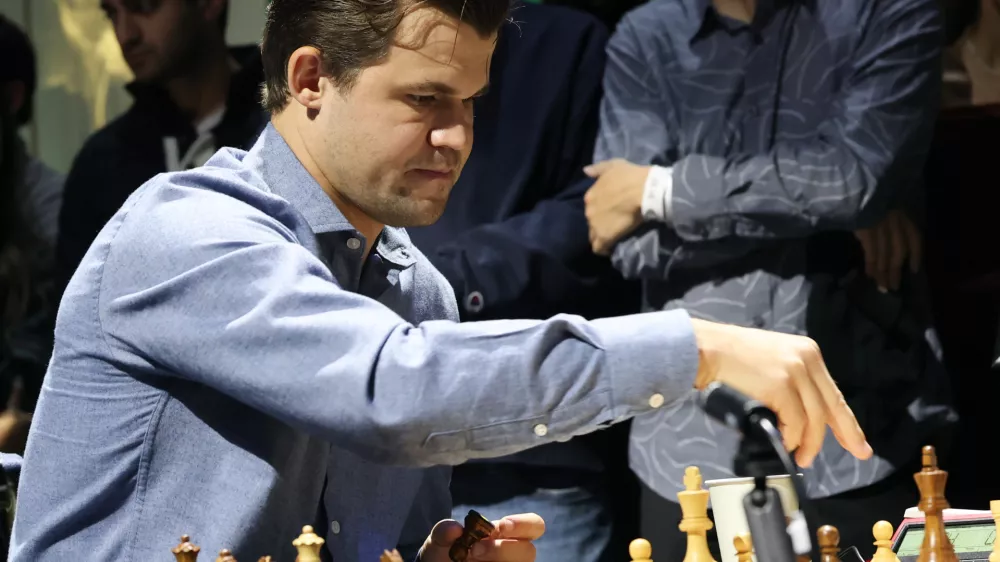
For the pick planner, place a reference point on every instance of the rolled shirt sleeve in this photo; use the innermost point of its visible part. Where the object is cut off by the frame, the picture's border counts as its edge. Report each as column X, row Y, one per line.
column 239, row 305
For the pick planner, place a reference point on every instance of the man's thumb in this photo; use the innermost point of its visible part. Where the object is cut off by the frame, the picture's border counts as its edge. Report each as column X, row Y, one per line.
column 445, row 533
column 442, row 536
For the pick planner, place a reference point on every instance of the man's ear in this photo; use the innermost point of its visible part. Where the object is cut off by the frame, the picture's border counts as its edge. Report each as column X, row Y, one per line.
column 305, row 77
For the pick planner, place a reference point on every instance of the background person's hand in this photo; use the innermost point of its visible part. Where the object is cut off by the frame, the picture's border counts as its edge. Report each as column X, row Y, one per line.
column 613, row 205
column 14, row 422
column 888, row 247
column 787, row 374
column 510, row 542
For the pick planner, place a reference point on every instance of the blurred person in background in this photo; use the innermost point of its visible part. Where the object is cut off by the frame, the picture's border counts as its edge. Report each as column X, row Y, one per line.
column 26, row 310
column 972, row 60
column 42, row 185
column 512, row 243
column 193, row 94
column 30, row 195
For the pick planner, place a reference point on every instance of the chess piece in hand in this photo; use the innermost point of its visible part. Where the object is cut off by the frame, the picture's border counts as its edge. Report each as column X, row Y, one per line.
column 510, row 541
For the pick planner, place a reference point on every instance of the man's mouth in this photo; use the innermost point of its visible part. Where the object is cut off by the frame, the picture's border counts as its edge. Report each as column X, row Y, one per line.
column 435, row 174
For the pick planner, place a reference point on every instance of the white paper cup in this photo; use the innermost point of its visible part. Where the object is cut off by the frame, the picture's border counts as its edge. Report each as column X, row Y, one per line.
column 726, row 497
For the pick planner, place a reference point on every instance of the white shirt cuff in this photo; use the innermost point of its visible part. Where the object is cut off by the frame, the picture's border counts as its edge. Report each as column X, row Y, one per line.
column 657, row 193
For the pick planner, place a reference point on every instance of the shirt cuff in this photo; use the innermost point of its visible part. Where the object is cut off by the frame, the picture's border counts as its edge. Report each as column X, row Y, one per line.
column 652, row 359
column 657, row 194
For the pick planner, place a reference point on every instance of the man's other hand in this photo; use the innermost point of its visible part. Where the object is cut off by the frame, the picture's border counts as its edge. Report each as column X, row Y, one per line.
column 888, row 246
column 788, row 375
column 510, row 541
column 614, row 203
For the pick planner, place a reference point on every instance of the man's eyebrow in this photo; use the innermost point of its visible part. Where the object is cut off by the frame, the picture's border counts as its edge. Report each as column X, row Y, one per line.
column 445, row 89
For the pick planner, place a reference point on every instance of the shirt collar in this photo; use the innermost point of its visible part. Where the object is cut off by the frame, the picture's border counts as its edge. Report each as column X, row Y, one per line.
column 702, row 15
column 285, row 176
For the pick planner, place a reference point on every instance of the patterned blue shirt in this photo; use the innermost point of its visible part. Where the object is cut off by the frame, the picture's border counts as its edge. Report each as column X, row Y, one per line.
column 224, row 359
column 784, row 135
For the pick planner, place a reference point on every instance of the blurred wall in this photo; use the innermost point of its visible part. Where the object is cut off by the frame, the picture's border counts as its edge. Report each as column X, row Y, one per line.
column 81, row 72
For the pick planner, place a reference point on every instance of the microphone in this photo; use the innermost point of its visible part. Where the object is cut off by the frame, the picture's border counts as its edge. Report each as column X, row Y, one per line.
column 733, row 408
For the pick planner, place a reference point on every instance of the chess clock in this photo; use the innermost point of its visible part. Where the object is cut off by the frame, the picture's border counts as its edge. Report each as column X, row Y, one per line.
column 972, row 534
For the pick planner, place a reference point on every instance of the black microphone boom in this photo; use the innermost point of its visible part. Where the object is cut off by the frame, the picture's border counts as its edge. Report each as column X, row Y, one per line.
column 761, row 454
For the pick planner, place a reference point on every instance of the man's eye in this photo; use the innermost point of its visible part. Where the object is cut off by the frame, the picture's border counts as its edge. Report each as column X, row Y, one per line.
column 422, row 100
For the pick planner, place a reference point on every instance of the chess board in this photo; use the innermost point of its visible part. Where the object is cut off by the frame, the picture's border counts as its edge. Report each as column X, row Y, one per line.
column 931, row 532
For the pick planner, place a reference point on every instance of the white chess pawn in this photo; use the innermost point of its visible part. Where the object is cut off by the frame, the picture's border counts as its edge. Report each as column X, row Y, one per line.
column 744, row 547
column 882, row 531
column 641, row 551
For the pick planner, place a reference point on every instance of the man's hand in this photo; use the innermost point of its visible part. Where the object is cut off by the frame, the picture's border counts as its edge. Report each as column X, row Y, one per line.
column 787, row 374
column 889, row 245
column 510, row 542
column 614, row 203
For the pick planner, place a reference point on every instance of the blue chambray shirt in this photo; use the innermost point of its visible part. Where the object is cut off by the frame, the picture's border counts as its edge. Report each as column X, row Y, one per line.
column 224, row 358
column 784, row 135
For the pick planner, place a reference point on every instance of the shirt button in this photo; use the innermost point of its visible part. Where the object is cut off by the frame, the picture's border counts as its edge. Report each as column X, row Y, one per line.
column 758, row 321
column 474, row 302
column 656, row 400
column 335, row 527
column 541, row 430
column 353, row 243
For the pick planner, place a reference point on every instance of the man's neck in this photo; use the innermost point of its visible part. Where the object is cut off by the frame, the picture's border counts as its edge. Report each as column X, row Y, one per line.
column 740, row 10
column 365, row 225
column 203, row 90
column 985, row 35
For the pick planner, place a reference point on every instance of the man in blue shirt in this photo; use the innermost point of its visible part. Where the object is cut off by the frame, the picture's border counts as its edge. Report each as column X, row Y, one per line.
column 745, row 150
column 255, row 344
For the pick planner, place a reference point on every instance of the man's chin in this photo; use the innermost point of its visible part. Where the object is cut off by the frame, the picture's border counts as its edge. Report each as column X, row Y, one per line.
column 425, row 214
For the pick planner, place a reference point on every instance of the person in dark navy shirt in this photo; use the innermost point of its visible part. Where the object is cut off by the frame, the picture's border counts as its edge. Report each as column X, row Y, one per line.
column 513, row 244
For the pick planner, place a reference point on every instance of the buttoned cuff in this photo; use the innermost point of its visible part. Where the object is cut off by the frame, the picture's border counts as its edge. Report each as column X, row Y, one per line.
column 652, row 359
column 657, row 193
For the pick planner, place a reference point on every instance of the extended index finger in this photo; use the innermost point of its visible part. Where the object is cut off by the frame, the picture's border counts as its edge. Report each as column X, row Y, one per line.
column 523, row 526
column 842, row 421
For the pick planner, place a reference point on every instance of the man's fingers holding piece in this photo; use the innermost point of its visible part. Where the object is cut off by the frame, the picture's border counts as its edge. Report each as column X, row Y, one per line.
column 503, row 550
column 445, row 533
column 524, row 526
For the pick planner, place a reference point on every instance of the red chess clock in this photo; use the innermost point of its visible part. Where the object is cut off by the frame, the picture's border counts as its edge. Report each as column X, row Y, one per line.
column 971, row 533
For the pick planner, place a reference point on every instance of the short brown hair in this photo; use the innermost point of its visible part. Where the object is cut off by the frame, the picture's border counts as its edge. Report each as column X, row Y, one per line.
column 351, row 34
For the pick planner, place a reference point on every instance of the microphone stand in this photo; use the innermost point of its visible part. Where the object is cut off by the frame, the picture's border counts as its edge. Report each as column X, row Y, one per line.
column 761, row 454
column 757, row 459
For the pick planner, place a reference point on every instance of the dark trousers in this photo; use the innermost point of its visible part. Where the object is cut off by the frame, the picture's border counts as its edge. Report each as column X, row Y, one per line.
column 853, row 513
